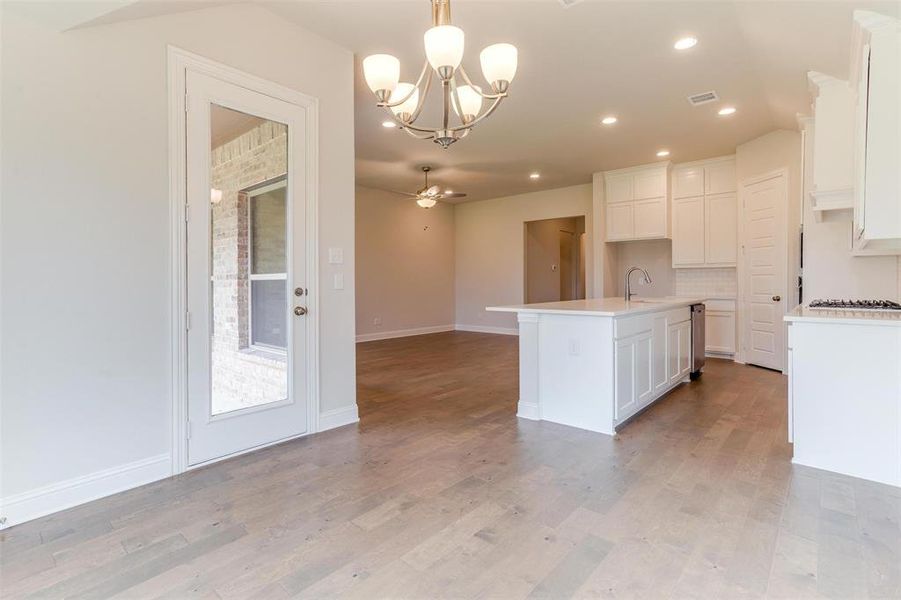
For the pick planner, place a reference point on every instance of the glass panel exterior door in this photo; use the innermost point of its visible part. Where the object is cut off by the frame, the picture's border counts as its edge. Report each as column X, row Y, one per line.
column 245, row 252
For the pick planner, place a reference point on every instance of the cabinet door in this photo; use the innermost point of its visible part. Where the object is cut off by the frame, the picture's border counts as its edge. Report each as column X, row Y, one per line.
column 619, row 188
column 688, row 181
column 719, row 335
column 659, row 352
column 620, row 221
column 649, row 184
column 720, row 178
column 679, row 355
column 688, row 232
column 634, row 386
column 684, row 349
column 624, row 383
column 721, row 230
column 643, row 374
column 650, row 218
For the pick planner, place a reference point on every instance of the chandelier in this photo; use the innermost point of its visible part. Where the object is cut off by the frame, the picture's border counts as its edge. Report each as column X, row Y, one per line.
column 444, row 55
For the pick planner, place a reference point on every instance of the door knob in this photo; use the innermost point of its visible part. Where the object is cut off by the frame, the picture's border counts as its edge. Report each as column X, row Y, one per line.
column 777, row 298
column 300, row 311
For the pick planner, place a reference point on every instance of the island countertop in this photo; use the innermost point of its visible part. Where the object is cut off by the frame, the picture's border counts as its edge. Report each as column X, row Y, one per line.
column 601, row 307
column 805, row 314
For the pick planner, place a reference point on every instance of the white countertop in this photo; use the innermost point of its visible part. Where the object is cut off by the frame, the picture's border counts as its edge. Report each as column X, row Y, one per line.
column 601, row 307
column 804, row 314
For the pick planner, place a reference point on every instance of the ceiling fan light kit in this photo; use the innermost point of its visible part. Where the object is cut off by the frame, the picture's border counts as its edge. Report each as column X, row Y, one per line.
column 444, row 45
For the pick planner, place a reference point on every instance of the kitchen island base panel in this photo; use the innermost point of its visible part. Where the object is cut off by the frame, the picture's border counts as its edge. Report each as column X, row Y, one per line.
column 597, row 371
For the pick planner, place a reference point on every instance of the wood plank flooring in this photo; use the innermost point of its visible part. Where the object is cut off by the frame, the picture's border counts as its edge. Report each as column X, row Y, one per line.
column 441, row 492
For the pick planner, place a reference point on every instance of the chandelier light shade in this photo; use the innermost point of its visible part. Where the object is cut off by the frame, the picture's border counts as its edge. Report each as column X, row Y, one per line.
column 382, row 72
column 405, row 97
column 444, row 45
column 499, row 64
column 470, row 102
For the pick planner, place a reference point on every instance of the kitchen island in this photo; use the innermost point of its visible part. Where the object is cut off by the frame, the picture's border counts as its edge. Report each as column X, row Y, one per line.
column 844, row 391
column 596, row 363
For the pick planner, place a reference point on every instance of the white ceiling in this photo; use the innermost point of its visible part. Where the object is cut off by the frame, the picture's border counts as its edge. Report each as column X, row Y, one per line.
column 576, row 65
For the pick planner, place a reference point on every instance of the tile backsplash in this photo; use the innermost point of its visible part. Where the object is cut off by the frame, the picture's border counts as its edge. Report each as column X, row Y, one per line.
column 706, row 282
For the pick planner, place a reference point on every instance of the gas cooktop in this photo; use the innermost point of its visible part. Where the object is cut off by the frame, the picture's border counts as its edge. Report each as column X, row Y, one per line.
column 856, row 304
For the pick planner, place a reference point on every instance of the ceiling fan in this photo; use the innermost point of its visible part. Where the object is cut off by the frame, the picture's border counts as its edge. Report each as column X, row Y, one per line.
column 429, row 195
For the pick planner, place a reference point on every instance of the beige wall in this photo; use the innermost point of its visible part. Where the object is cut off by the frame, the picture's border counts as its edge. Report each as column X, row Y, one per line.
column 654, row 255
column 544, row 268
column 405, row 264
column 87, row 373
column 489, row 250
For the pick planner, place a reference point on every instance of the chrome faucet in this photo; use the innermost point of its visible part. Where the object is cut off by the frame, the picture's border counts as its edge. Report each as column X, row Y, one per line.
column 647, row 279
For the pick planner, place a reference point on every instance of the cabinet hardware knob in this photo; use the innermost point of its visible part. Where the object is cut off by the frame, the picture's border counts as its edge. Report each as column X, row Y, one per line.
column 777, row 298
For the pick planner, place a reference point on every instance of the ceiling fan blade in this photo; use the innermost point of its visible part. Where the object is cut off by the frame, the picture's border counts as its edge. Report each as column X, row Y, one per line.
column 453, row 195
column 407, row 194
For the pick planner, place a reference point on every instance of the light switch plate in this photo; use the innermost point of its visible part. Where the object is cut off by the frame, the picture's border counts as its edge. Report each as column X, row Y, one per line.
column 336, row 256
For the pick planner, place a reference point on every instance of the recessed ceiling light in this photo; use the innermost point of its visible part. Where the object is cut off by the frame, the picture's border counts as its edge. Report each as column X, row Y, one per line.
column 726, row 110
column 662, row 153
column 534, row 175
column 389, row 124
column 685, row 43
column 608, row 120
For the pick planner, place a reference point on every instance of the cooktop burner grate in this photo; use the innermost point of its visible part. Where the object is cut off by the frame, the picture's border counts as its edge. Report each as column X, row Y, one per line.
column 856, row 304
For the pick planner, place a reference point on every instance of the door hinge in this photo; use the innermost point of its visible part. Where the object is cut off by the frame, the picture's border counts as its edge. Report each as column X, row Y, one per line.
column 187, row 321
column 188, row 429
column 187, row 212
column 187, row 102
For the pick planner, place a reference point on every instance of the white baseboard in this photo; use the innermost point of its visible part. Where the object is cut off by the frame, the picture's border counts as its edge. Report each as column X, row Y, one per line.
column 399, row 333
column 527, row 410
column 338, row 417
column 488, row 329
column 78, row 490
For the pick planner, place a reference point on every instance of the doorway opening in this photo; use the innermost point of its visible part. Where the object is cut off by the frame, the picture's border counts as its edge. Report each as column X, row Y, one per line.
column 554, row 260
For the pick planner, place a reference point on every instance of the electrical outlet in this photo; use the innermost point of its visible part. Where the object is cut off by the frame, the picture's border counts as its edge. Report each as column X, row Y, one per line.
column 377, row 321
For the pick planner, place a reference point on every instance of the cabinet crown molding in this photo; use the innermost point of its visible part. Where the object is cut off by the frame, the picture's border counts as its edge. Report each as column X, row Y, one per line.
column 653, row 165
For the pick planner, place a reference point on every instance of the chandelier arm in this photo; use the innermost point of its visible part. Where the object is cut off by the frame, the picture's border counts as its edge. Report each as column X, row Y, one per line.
column 481, row 117
column 472, row 85
column 455, row 98
column 423, row 95
column 425, row 69
column 417, row 136
column 445, row 87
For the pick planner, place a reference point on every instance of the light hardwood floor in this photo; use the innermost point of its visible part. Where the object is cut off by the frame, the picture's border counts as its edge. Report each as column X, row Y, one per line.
column 442, row 492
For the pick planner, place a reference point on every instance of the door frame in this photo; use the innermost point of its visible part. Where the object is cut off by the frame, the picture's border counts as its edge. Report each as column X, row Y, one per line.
column 178, row 63
column 743, row 322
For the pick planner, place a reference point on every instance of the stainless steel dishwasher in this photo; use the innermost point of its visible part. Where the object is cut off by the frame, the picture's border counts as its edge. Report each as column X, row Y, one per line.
column 697, row 340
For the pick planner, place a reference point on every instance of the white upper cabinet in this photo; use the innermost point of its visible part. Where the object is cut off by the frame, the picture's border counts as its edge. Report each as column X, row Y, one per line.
column 721, row 230
column 876, row 158
column 719, row 177
column 833, row 144
column 649, row 183
column 688, row 182
column 879, row 75
column 619, row 188
column 688, row 232
column 705, row 214
column 637, row 203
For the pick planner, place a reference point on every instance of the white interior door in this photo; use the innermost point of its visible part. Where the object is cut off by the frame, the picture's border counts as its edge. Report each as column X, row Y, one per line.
column 246, row 269
column 764, row 264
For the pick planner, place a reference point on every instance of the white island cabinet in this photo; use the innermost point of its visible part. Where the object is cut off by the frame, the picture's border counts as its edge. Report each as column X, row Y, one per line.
column 844, row 392
column 595, row 363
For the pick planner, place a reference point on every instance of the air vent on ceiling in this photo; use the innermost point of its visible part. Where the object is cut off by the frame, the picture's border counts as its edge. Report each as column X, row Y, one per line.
column 703, row 98
column 568, row 3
